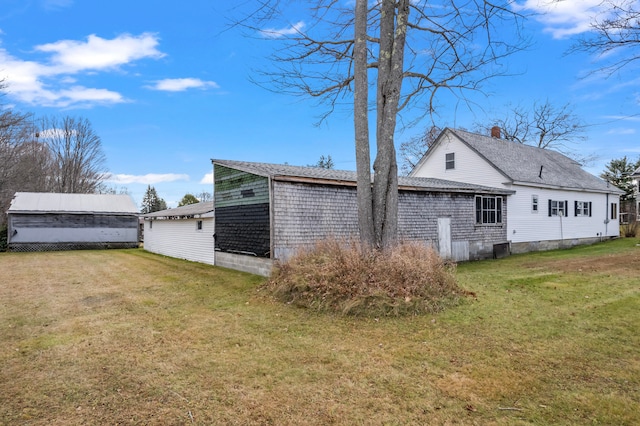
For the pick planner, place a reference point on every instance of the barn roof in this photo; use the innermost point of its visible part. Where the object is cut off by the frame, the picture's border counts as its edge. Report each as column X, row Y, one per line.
column 196, row 210
column 48, row 202
column 347, row 177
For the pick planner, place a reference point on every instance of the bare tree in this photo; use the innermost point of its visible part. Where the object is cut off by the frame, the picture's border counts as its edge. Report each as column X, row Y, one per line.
column 614, row 35
column 414, row 49
column 78, row 162
column 545, row 126
column 23, row 160
column 412, row 150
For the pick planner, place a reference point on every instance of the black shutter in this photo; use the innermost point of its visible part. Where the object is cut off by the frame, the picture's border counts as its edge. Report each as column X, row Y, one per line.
column 575, row 208
column 549, row 208
column 566, row 208
column 589, row 208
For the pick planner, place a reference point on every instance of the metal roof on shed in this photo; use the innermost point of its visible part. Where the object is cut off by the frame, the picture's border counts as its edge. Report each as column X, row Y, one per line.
column 322, row 175
column 190, row 210
column 48, row 202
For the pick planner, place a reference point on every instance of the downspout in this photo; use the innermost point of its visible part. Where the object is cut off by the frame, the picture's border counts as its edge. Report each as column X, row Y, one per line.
column 606, row 215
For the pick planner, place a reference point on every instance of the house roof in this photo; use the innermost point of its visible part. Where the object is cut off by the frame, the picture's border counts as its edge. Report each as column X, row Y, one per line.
column 525, row 164
column 636, row 173
column 48, row 202
column 349, row 178
column 196, row 210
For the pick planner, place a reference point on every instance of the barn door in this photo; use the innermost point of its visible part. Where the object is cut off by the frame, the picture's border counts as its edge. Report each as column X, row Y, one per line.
column 444, row 237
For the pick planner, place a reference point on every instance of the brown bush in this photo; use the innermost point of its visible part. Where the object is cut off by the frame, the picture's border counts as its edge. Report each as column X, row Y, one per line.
column 347, row 278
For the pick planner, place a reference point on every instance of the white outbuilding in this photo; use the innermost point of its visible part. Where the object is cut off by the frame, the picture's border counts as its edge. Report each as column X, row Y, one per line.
column 40, row 221
column 184, row 232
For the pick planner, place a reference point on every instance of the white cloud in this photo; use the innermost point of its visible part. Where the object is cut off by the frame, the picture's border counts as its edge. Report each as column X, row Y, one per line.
column 53, row 82
column 622, row 131
column 70, row 56
column 148, row 179
column 181, row 84
column 282, row 32
column 565, row 18
column 207, row 179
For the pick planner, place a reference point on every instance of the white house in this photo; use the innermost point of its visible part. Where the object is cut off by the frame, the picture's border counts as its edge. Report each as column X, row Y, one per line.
column 40, row 221
column 184, row 232
column 555, row 204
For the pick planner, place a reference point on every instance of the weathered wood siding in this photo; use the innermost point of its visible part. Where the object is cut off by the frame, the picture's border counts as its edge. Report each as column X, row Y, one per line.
column 241, row 212
column 28, row 232
column 180, row 238
column 304, row 213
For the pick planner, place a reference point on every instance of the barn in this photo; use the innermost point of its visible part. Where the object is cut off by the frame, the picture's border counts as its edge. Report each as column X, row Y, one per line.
column 265, row 212
column 51, row 221
column 184, row 232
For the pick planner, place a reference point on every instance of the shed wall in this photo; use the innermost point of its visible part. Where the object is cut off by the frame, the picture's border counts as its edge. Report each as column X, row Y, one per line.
column 242, row 212
column 50, row 229
column 180, row 238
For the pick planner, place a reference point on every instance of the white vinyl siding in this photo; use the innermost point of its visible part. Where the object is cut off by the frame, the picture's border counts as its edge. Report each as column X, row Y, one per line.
column 469, row 167
column 181, row 238
column 523, row 226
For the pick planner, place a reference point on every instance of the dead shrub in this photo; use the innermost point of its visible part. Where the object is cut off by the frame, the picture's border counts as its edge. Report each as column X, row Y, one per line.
column 345, row 277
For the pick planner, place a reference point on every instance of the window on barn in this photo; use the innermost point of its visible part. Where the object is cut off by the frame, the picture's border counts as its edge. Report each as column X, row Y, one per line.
column 534, row 204
column 614, row 211
column 199, row 225
column 557, row 208
column 450, row 161
column 488, row 209
column 151, row 224
column 582, row 208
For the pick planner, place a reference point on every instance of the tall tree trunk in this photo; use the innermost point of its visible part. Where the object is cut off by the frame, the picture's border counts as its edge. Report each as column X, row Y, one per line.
column 361, row 125
column 393, row 28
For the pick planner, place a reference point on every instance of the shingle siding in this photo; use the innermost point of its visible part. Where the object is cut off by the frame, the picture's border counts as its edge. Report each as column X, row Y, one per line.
column 304, row 213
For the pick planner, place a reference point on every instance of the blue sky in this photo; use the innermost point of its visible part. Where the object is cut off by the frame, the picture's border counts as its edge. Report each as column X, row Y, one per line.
column 167, row 88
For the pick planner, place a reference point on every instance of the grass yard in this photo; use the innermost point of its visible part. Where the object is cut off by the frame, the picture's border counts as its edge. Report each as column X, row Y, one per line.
column 127, row 337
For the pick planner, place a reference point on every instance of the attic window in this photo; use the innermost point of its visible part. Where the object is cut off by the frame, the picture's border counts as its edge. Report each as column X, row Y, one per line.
column 450, row 161
column 199, row 225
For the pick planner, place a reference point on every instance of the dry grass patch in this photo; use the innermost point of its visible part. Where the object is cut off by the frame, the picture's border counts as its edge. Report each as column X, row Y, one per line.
column 127, row 337
column 349, row 278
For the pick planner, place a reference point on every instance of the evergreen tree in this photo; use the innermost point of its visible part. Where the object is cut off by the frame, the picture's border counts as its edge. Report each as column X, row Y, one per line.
column 618, row 172
column 151, row 202
column 188, row 199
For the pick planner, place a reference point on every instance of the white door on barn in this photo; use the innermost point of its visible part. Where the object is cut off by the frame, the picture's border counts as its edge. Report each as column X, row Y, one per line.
column 444, row 237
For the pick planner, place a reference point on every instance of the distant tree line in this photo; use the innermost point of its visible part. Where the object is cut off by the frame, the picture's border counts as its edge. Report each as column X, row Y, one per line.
column 47, row 154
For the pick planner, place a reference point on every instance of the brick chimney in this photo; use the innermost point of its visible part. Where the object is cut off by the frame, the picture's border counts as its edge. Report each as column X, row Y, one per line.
column 495, row 132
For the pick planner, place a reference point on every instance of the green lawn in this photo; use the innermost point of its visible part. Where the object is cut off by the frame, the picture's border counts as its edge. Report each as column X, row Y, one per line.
column 128, row 337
